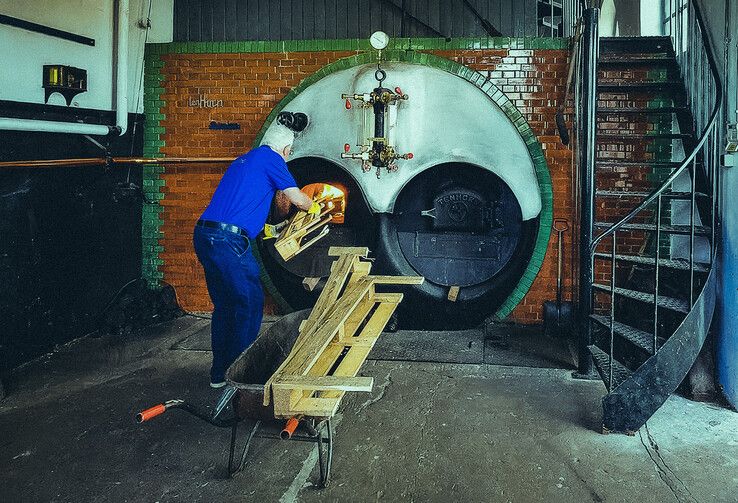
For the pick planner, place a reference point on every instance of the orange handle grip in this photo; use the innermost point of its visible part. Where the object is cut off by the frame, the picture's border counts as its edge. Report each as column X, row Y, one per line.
column 151, row 413
column 289, row 428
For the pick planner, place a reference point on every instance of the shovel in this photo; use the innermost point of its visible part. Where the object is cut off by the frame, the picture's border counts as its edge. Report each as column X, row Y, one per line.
column 558, row 316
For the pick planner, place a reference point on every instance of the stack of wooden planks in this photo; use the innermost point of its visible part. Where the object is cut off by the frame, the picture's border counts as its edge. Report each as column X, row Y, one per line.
column 335, row 340
column 303, row 225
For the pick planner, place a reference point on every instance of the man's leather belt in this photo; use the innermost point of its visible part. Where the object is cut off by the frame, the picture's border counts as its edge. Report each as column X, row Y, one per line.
column 223, row 226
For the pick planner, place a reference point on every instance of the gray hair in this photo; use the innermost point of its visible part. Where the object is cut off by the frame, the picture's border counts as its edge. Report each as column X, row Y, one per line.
column 278, row 137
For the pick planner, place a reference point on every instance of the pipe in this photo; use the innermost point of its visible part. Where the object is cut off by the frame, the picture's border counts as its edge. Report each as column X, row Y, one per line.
column 121, row 94
column 53, row 163
column 587, row 158
column 121, row 86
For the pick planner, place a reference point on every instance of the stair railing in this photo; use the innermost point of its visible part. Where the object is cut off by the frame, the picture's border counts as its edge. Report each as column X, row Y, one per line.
column 585, row 158
column 694, row 51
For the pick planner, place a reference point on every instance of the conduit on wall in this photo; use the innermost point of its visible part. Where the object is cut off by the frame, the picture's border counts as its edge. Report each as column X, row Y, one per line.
column 121, row 94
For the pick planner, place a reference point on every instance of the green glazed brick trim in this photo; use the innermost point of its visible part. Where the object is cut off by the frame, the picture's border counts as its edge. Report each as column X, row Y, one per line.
column 545, row 219
column 151, row 221
column 418, row 44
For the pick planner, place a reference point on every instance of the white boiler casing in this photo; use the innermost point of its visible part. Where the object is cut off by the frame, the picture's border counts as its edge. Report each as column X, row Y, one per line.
column 445, row 120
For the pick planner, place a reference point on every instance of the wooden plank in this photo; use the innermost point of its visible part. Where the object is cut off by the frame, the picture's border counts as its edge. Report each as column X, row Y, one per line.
column 388, row 297
column 355, row 341
column 326, row 361
column 337, row 251
column 340, row 271
column 308, row 244
column 325, row 383
column 310, row 344
column 358, row 316
column 356, row 356
column 319, row 336
column 329, row 343
column 290, row 241
column 361, row 269
column 315, row 407
column 309, row 284
column 397, row 280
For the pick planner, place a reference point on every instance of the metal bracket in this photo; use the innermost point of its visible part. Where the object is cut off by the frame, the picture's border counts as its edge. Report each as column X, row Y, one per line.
column 225, row 399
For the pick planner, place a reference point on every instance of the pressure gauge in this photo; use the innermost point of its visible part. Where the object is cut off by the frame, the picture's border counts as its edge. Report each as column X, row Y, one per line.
column 379, row 40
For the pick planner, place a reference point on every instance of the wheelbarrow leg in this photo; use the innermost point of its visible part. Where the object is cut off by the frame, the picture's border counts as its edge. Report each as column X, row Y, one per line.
column 234, row 430
column 325, row 459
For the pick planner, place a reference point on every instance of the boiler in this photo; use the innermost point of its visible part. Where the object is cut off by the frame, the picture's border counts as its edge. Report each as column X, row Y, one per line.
column 463, row 210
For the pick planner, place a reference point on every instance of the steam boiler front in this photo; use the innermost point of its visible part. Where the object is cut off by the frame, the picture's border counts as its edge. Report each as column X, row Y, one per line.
column 462, row 211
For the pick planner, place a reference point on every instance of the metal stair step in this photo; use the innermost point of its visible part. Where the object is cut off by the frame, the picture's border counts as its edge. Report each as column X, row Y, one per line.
column 699, row 230
column 653, row 136
column 619, row 163
column 671, row 194
column 636, row 45
column 666, row 85
column 642, row 339
column 620, row 373
column 641, row 111
column 679, row 264
column 678, row 305
column 636, row 59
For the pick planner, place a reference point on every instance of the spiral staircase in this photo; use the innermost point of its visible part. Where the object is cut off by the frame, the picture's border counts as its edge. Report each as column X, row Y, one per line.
column 650, row 293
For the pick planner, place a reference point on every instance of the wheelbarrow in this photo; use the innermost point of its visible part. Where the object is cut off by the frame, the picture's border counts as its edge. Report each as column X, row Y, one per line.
column 245, row 380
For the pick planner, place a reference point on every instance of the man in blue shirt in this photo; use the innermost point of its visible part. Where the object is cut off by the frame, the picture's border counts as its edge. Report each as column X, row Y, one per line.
column 223, row 239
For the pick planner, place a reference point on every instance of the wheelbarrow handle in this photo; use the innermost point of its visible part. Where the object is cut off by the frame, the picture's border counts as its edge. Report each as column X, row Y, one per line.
column 289, row 428
column 157, row 410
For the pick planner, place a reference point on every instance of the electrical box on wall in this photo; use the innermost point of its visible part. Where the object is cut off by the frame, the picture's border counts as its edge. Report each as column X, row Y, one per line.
column 65, row 80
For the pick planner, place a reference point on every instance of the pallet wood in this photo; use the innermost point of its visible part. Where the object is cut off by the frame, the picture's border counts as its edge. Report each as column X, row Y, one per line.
column 300, row 232
column 335, row 340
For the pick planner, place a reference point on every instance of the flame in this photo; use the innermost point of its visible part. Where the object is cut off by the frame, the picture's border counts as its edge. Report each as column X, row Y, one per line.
column 334, row 197
column 330, row 190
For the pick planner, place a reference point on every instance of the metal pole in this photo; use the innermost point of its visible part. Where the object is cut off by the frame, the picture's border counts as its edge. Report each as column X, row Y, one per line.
column 590, row 52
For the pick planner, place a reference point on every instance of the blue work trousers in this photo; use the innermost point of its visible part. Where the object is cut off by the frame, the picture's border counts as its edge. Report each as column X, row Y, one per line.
column 232, row 277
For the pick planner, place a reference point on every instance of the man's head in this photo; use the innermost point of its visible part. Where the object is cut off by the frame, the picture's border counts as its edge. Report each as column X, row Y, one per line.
column 280, row 139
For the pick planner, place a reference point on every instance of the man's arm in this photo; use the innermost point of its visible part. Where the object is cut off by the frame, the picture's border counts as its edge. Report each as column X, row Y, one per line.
column 298, row 198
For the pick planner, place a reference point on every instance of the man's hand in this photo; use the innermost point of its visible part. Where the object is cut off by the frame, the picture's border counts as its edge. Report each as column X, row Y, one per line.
column 273, row 231
column 298, row 198
column 314, row 208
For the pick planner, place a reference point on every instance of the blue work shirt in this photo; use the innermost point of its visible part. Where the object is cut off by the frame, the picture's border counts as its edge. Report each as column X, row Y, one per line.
column 244, row 194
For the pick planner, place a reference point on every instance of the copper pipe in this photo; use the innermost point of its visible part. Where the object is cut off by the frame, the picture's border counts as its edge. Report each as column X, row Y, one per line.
column 173, row 160
column 53, row 163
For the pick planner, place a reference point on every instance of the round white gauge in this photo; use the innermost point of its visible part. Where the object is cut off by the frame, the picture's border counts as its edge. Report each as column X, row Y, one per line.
column 379, row 40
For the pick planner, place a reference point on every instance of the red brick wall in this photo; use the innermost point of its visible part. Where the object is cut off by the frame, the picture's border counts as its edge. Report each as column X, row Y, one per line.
column 252, row 84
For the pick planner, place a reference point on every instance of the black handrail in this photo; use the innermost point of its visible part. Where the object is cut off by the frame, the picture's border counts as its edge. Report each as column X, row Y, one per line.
column 703, row 138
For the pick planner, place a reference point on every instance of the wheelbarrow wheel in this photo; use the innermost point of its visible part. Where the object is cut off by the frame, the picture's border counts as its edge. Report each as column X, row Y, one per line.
column 325, row 452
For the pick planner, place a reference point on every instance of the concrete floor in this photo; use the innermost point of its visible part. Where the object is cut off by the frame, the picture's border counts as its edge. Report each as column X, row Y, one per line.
column 429, row 432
